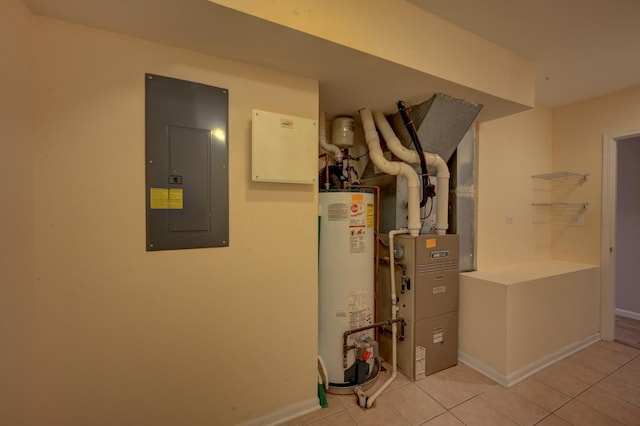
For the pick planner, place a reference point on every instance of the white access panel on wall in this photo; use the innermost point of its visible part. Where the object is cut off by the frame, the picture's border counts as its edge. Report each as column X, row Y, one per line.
column 284, row 148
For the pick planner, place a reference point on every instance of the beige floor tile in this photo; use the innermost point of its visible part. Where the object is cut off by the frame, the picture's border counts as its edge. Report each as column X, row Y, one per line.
column 579, row 414
column 595, row 363
column 334, row 407
column 341, row 418
column 612, row 352
column 620, row 389
column 578, row 370
column 553, row 420
column 514, row 406
column 294, row 422
column 455, row 385
column 446, row 419
column 382, row 413
column 541, row 394
column 613, row 407
column 413, row 403
column 625, row 349
column 634, row 364
column 628, row 374
column 399, row 381
column 561, row 381
column 478, row 412
column 348, row 401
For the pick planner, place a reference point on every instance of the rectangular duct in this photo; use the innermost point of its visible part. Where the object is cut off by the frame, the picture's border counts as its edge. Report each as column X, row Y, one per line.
column 441, row 123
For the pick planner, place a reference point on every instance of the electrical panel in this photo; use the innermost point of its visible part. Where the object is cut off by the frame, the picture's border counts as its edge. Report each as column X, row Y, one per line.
column 187, row 183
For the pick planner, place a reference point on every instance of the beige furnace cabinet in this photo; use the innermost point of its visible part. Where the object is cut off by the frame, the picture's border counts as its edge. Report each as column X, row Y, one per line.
column 427, row 284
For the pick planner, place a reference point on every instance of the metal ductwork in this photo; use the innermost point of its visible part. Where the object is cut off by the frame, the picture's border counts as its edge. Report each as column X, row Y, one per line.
column 441, row 123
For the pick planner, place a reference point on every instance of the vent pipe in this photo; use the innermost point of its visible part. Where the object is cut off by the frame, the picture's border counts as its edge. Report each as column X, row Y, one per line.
column 394, row 168
column 330, row 148
column 412, row 157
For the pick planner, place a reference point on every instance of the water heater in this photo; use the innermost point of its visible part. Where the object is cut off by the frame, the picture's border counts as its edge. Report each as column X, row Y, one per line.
column 346, row 285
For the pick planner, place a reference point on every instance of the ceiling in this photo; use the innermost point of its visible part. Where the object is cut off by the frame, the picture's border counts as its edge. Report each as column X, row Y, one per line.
column 581, row 48
column 348, row 79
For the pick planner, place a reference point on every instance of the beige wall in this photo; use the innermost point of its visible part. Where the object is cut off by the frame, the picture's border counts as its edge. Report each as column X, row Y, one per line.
column 16, row 213
column 204, row 336
column 517, row 319
column 577, row 135
column 510, row 151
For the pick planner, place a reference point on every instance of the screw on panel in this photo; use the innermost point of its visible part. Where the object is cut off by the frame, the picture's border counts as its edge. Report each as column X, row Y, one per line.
column 150, row 161
column 151, row 245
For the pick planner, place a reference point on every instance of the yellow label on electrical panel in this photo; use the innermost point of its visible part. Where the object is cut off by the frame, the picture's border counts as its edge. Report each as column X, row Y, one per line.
column 370, row 215
column 431, row 242
column 166, row 198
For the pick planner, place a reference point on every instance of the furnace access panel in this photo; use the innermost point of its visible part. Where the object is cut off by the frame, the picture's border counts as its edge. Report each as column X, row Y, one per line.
column 427, row 288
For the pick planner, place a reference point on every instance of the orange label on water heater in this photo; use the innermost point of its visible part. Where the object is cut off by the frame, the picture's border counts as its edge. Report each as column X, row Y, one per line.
column 357, row 198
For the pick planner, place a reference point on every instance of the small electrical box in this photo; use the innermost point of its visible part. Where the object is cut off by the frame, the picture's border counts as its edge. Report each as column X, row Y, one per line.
column 284, row 148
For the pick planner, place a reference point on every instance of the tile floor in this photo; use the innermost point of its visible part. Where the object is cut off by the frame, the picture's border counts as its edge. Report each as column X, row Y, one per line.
column 599, row 385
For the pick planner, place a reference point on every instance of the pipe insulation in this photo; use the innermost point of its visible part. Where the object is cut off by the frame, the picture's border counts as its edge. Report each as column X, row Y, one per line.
column 322, row 136
column 412, row 157
column 395, row 168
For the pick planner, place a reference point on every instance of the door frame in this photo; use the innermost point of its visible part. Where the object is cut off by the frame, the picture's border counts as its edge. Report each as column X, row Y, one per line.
column 608, row 233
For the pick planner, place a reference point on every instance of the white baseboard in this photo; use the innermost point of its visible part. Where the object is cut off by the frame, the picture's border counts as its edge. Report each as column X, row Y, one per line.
column 528, row 370
column 285, row 414
column 628, row 314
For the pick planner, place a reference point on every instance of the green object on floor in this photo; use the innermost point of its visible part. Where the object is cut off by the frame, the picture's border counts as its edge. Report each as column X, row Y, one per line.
column 322, row 396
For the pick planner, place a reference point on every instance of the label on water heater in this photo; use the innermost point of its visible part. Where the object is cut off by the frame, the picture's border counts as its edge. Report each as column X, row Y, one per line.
column 338, row 212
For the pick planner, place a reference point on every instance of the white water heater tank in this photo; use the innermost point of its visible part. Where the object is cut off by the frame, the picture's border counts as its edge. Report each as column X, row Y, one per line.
column 346, row 277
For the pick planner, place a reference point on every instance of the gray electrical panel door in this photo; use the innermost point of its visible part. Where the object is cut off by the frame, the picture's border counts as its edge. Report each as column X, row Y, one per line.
column 187, row 181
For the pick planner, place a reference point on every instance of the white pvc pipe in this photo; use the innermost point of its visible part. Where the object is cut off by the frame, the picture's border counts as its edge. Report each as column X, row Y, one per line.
column 411, row 156
column 394, row 168
column 394, row 309
column 330, row 148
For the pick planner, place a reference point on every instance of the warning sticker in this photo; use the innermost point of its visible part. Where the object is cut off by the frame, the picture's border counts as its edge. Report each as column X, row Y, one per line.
column 359, row 311
column 370, row 215
column 431, row 242
column 357, row 198
column 166, row 198
column 338, row 212
column 357, row 240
